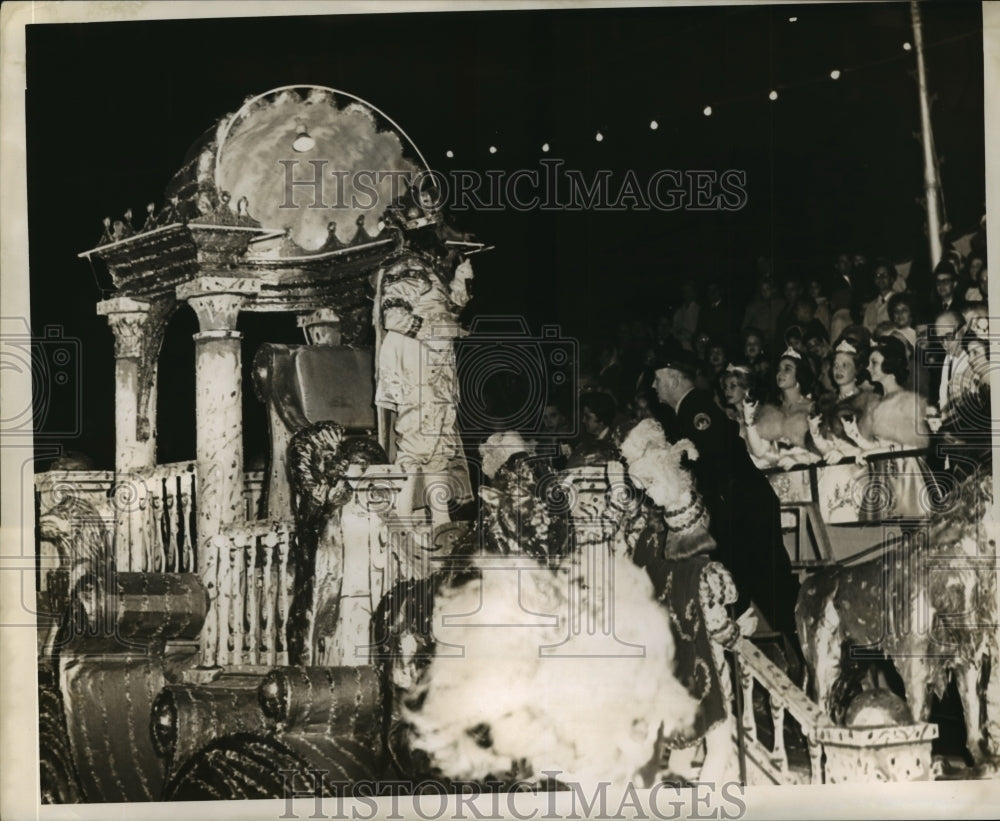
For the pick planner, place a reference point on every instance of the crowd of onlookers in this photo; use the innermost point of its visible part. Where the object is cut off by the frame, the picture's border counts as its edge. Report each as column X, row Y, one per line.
column 822, row 368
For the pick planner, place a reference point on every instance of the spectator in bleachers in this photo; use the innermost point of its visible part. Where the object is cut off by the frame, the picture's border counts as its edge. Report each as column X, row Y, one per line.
column 948, row 329
column 820, row 353
column 898, row 421
column 716, row 359
column 595, row 445
column 684, row 323
column 762, row 311
column 850, row 402
column 876, row 311
column 794, row 339
column 715, row 317
column 842, row 292
column 974, row 267
column 610, row 375
column 778, row 432
column 700, row 346
column 786, row 317
column 902, row 314
column 945, row 286
column 755, row 355
column 736, row 386
column 816, row 290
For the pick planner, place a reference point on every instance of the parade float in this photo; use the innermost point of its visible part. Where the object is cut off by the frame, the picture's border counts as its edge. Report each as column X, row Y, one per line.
column 205, row 630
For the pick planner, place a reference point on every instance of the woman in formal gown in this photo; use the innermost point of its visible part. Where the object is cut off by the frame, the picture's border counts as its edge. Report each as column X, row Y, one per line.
column 901, row 487
column 777, row 433
column 841, row 483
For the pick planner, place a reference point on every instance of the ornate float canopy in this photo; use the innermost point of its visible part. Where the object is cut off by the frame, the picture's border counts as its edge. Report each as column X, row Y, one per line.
column 304, row 189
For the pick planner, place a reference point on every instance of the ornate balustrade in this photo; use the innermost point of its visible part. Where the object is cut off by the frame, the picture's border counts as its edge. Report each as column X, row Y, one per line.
column 800, row 483
column 150, row 513
column 155, row 519
column 249, row 577
column 249, row 585
column 836, row 754
column 783, row 698
column 253, row 490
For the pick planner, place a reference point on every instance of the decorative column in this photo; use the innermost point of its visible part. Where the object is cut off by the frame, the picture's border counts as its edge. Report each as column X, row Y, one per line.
column 218, row 401
column 138, row 326
column 135, row 383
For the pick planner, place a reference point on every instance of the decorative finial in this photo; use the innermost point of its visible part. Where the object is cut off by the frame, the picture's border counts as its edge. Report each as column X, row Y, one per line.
column 361, row 235
column 332, row 242
column 107, row 236
column 150, row 222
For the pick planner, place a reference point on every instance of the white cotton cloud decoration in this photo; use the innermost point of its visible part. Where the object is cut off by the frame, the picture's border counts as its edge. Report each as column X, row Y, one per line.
column 591, row 718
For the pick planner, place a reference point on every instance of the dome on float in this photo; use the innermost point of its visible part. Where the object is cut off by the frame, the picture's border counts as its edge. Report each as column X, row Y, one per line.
column 311, row 162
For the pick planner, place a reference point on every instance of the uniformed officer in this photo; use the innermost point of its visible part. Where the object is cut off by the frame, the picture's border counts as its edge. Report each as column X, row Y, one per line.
column 745, row 512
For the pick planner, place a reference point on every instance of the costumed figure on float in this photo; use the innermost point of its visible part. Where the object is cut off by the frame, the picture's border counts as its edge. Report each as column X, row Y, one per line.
column 418, row 298
column 667, row 534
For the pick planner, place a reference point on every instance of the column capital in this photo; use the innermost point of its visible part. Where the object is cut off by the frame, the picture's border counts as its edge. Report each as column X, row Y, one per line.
column 128, row 320
column 217, row 300
column 121, row 305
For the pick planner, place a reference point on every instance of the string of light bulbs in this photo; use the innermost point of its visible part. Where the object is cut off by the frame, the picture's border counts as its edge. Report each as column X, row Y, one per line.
column 774, row 93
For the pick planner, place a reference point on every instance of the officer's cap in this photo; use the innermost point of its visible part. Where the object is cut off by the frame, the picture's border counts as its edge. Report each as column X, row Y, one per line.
column 679, row 360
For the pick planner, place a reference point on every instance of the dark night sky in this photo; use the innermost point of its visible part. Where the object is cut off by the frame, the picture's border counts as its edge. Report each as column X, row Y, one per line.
column 112, row 109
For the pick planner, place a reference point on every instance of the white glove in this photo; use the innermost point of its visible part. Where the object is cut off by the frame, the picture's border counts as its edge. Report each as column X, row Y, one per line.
column 833, row 456
column 747, row 622
column 787, row 462
column 851, row 429
column 749, row 411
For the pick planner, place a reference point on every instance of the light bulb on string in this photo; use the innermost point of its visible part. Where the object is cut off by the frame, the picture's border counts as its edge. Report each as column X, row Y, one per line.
column 449, row 153
column 773, row 95
column 835, row 74
column 599, row 137
column 302, row 142
column 792, row 19
column 707, row 111
column 907, row 46
column 545, row 147
column 653, row 125
column 493, row 149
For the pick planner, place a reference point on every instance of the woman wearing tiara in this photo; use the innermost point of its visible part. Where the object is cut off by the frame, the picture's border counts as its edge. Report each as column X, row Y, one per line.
column 777, row 434
column 840, row 486
column 736, row 386
column 896, row 487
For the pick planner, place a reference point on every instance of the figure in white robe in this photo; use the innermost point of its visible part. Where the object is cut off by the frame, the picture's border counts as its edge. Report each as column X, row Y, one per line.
column 416, row 387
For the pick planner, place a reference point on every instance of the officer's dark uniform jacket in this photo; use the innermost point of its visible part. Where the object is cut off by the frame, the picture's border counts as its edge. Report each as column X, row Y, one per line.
column 744, row 510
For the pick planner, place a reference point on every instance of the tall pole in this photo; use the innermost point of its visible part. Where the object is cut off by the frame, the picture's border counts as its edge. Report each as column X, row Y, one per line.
column 932, row 186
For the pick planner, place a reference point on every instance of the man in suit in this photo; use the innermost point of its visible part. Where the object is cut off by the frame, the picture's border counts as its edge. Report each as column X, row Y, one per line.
column 745, row 515
column 876, row 312
column 842, row 289
column 945, row 298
